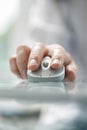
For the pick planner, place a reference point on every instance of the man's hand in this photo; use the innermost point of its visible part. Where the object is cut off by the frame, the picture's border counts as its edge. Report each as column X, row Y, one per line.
column 30, row 58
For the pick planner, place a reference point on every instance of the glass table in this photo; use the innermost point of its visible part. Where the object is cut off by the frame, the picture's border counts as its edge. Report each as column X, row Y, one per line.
column 38, row 106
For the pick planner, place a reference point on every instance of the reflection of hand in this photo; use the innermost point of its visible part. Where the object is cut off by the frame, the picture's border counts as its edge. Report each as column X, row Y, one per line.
column 30, row 58
column 71, row 87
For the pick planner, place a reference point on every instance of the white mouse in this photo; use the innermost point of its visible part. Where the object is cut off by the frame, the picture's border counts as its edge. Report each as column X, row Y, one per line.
column 45, row 73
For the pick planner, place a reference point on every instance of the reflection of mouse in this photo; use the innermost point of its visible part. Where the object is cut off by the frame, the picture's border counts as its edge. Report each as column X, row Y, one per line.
column 45, row 73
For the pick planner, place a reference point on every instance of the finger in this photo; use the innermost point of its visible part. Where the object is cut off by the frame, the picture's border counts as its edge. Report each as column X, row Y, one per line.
column 37, row 53
column 22, row 59
column 70, row 67
column 67, row 59
column 13, row 66
column 60, row 57
column 57, row 58
column 71, row 71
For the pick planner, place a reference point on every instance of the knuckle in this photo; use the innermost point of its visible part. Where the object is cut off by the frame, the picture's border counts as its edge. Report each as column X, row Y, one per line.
column 61, row 49
column 36, row 57
column 58, row 46
column 22, row 49
column 58, row 54
column 38, row 49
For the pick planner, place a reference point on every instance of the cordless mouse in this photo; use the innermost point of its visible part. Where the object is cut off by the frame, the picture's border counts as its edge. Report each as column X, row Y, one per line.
column 45, row 73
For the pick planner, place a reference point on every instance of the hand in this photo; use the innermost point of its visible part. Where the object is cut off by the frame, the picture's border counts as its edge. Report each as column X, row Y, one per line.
column 30, row 58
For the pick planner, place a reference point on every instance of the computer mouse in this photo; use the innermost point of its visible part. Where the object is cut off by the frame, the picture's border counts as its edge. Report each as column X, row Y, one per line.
column 45, row 73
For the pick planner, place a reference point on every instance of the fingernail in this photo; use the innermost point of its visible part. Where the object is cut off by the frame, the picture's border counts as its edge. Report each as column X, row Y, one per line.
column 33, row 62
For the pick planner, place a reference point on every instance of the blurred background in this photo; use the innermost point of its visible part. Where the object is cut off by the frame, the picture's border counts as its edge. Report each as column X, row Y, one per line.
column 8, row 15
column 48, row 21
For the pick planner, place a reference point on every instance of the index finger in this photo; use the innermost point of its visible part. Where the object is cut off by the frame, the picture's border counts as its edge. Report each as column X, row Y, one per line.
column 37, row 53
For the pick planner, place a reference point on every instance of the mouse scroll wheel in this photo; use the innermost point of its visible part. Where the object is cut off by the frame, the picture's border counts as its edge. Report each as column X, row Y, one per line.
column 46, row 63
